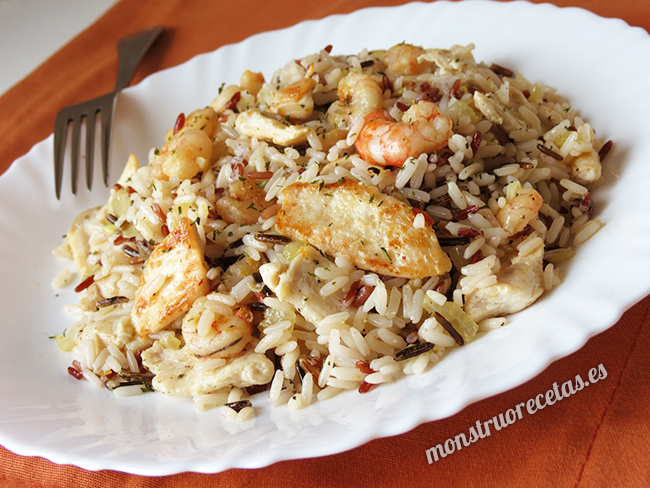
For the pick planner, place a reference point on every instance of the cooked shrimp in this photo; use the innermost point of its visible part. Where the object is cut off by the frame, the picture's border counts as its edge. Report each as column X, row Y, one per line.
column 208, row 334
column 385, row 142
column 188, row 149
column 519, row 211
column 205, row 119
column 402, row 59
column 243, row 202
column 358, row 95
column 251, row 81
column 187, row 153
column 225, row 98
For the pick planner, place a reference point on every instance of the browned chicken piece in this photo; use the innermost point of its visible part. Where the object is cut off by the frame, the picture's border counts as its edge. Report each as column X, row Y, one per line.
column 296, row 283
column 254, row 124
column 371, row 230
column 293, row 102
column 174, row 277
column 176, row 375
column 78, row 238
column 518, row 285
column 586, row 167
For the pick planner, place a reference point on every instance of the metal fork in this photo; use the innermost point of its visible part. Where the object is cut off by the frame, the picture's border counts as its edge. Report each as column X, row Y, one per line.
column 130, row 51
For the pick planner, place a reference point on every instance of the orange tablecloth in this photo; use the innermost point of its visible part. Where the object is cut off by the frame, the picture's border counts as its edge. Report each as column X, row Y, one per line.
column 597, row 438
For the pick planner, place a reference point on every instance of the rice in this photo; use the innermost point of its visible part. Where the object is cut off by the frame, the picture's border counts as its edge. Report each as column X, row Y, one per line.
column 330, row 321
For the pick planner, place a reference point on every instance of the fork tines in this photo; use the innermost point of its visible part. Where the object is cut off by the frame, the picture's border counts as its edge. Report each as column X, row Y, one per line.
column 75, row 114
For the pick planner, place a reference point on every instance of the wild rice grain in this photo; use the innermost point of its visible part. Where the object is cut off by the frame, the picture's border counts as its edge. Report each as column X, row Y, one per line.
column 413, row 351
column 549, row 152
column 604, row 151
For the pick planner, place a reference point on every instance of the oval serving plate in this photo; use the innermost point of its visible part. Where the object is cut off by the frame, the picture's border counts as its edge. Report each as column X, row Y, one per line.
column 43, row 412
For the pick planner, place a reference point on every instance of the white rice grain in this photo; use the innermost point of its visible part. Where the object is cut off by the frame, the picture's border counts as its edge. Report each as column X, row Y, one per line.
column 377, row 378
column 419, row 222
column 325, row 371
column 359, row 342
column 92, row 378
column 390, row 368
column 378, row 346
column 245, row 414
column 307, row 390
column 392, row 309
column 333, row 286
column 327, row 393
column 354, row 131
column 437, row 297
column 439, row 212
column 218, row 308
column 344, row 352
column 377, row 364
column 134, row 367
column 228, row 412
column 100, row 360
column 269, row 341
column 235, row 395
column 486, row 263
column 314, row 141
column 347, row 374
column 586, row 232
column 391, row 338
column 342, row 384
column 470, row 170
column 127, row 391
column 491, row 324
column 430, row 331
column 474, row 246
column 62, row 279
column 278, row 305
column 406, row 172
column 276, row 386
column 420, row 363
column 528, row 245
column 204, row 326
column 286, row 347
column 456, row 195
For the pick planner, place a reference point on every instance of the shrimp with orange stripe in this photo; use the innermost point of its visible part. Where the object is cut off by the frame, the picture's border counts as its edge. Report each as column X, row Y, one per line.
column 383, row 141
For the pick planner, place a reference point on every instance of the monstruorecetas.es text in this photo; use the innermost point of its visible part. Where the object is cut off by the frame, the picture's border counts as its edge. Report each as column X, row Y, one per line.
column 483, row 429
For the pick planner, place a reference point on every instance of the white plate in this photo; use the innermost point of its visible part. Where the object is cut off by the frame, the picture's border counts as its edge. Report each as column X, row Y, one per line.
column 598, row 63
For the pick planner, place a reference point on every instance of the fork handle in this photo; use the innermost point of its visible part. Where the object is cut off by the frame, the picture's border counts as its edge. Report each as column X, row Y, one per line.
column 130, row 52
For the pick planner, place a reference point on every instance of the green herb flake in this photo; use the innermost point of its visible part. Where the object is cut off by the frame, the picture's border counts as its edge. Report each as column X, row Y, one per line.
column 386, row 254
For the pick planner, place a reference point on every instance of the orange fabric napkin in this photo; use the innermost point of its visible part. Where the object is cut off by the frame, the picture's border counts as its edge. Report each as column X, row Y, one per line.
column 598, row 437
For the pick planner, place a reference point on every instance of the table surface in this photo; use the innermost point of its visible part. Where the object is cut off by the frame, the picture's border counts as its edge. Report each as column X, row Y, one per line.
column 600, row 438
column 50, row 25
